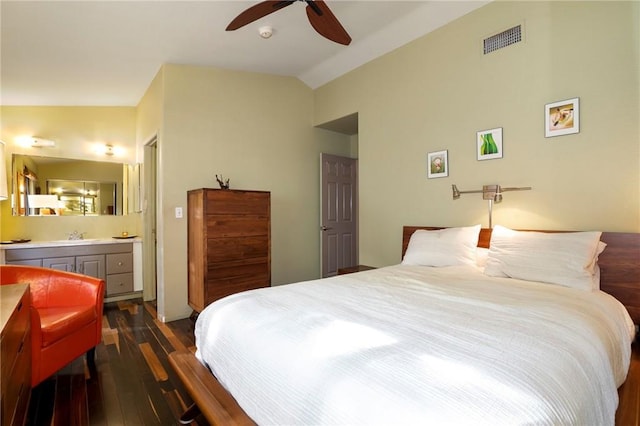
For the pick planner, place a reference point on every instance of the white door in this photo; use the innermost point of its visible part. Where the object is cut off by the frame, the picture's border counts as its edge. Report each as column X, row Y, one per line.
column 338, row 213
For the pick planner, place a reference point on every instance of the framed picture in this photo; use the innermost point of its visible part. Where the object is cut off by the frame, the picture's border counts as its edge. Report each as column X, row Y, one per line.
column 437, row 164
column 489, row 144
column 562, row 118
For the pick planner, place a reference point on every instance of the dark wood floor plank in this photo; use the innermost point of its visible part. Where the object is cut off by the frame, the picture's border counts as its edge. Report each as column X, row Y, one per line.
column 79, row 410
column 130, row 372
column 159, row 343
column 125, row 386
column 104, row 387
column 41, row 404
column 62, row 403
column 153, row 362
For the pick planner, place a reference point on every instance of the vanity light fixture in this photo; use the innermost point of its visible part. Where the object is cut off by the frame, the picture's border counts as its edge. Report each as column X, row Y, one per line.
column 491, row 193
column 108, row 149
column 35, row 142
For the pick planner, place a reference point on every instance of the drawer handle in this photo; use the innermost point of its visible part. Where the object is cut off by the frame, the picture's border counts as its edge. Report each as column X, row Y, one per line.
column 19, row 306
column 21, row 347
column 120, row 263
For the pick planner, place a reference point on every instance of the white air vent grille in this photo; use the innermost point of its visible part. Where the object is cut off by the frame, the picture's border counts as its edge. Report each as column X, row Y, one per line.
column 503, row 39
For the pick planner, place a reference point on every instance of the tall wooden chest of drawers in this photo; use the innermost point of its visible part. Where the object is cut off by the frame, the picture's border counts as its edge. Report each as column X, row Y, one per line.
column 229, row 243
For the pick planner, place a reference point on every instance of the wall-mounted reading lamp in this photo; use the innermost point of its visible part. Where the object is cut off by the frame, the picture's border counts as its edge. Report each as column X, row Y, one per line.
column 492, row 193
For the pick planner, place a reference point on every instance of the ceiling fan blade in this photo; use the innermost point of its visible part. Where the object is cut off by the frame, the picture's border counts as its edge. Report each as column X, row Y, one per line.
column 325, row 23
column 256, row 12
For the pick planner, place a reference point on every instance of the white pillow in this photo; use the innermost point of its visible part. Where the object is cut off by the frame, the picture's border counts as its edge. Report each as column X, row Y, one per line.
column 567, row 259
column 482, row 254
column 443, row 247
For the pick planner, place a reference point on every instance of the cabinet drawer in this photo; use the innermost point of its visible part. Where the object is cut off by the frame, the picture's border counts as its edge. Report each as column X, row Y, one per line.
column 14, row 334
column 224, row 287
column 227, row 249
column 119, row 263
column 237, row 203
column 119, row 283
column 17, row 396
column 232, row 227
column 33, row 262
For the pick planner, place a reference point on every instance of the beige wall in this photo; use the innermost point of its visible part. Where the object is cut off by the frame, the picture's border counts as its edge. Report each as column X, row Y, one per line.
column 437, row 92
column 432, row 94
column 149, row 122
column 76, row 130
column 256, row 130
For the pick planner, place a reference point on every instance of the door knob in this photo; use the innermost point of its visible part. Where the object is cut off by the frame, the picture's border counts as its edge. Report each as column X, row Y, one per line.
column 324, row 228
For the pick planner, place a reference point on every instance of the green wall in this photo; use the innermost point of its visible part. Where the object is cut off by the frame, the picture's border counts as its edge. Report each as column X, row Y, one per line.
column 256, row 130
column 438, row 91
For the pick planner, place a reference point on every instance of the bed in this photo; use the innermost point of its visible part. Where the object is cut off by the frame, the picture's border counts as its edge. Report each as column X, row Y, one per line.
column 434, row 344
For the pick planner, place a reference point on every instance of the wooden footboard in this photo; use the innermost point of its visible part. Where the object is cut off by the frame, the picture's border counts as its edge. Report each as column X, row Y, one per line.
column 214, row 402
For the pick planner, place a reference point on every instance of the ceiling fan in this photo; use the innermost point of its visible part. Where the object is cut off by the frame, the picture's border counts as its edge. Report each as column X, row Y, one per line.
column 319, row 14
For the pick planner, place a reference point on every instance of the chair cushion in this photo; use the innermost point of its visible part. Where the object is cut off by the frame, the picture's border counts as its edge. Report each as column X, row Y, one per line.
column 57, row 323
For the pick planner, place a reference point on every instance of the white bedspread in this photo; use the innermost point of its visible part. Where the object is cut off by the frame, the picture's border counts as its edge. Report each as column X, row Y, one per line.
column 416, row 345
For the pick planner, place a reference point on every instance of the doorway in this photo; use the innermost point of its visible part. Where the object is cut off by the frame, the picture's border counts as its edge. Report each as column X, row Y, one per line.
column 338, row 213
column 149, row 209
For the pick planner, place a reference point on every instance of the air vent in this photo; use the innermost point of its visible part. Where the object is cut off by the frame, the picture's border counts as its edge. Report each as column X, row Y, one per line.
column 503, row 39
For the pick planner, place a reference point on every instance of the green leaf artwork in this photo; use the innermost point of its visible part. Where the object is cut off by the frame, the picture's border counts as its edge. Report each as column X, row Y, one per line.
column 488, row 145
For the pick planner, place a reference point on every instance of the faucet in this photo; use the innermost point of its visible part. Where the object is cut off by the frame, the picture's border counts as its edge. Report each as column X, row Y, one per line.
column 75, row 235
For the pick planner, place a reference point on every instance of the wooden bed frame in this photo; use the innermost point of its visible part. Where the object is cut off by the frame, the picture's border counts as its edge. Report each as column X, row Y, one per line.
column 619, row 276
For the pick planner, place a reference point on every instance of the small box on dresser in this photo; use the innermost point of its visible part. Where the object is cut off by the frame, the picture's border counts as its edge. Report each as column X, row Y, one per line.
column 229, row 243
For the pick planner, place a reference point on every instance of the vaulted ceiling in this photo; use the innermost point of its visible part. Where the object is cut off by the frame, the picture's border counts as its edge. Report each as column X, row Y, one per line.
column 107, row 52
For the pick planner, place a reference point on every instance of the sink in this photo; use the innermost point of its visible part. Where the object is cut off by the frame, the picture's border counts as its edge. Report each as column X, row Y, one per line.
column 86, row 240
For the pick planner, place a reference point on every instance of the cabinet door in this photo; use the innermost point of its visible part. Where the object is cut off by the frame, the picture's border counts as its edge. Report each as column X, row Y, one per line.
column 62, row 263
column 91, row 265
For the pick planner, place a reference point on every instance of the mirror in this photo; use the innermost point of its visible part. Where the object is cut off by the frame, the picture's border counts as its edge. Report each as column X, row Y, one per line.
column 66, row 187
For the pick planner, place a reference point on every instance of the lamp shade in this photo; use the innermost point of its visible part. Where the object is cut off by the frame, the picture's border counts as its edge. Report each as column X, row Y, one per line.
column 4, row 191
column 43, row 201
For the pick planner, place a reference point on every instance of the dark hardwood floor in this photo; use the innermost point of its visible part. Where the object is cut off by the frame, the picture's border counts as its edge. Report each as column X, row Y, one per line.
column 135, row 385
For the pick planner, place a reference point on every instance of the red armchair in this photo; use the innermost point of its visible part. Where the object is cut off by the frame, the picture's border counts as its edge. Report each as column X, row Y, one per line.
column 66, row 316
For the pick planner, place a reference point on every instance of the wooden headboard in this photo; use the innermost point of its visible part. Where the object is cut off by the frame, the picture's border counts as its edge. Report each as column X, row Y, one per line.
column 619, row 264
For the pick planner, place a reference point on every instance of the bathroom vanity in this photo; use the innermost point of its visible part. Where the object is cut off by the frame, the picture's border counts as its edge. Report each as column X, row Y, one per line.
column 117, row 261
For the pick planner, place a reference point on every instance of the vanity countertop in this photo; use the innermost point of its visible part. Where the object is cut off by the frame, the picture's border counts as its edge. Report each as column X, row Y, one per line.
column 67, row 243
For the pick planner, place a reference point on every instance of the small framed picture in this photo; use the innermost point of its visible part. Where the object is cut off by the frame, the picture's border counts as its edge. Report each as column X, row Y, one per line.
column 489, row 144
column 562, row 118
column 437, row 164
